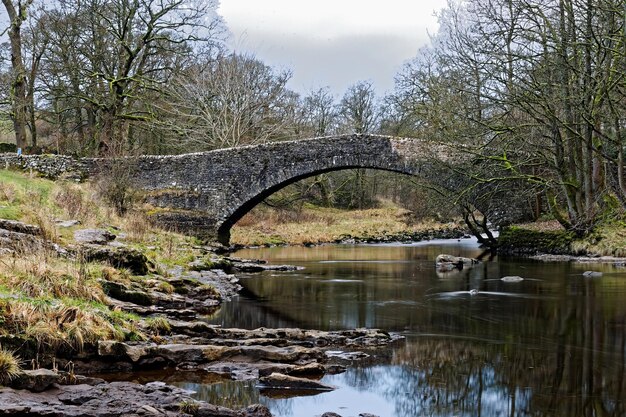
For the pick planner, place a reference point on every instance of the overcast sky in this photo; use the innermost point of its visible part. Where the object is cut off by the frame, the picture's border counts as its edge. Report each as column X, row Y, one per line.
column 332, row 42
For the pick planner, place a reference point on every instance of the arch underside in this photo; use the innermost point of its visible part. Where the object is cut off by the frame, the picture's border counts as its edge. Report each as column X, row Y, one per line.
column 223, row 231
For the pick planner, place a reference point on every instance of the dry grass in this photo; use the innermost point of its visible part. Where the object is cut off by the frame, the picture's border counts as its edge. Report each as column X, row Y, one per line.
column 9, row 366
column 46, row 275
column 542, row 226
column 58, row 303
column 60, row 323
column 319, row 225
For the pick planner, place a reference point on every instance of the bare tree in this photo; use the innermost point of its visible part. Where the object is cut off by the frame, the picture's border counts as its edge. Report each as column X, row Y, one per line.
column 109, row 61
column 230, row 101
column 319, row 113
column 359, row 109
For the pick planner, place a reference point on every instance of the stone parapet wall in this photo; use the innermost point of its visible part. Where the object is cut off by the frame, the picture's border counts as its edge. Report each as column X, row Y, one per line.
column 49, row 166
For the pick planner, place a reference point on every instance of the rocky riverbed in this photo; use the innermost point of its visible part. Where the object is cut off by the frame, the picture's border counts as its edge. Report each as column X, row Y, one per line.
column 179, row 297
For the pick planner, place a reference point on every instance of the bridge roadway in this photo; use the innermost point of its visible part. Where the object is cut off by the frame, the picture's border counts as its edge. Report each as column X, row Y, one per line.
column 206, row 193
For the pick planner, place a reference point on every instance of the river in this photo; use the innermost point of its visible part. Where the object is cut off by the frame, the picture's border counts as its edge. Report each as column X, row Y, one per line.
column 553, row 344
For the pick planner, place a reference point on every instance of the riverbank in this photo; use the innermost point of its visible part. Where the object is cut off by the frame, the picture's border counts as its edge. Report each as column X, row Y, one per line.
column 549, row 238
column 84, row 290
column 312, row 225
column 309, row 224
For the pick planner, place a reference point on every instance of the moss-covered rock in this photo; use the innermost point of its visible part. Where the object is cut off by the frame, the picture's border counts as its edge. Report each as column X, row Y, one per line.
column 119, row 257
column 517, row 240
column 123, row 293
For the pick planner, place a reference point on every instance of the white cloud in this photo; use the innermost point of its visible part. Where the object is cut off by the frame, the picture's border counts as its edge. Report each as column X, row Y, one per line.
column 332, row 42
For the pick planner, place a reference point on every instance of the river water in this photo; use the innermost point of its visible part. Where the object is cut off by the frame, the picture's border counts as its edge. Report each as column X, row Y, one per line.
column 553, row 344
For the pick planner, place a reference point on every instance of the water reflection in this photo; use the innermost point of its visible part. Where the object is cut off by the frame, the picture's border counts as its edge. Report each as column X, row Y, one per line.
column 552, row 344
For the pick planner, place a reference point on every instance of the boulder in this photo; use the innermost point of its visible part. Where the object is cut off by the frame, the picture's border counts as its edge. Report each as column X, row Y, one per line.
column 37, row 380
column 119, row 257
column 446, row 262
column 123, row 351
column 123, row 293
column 255, row 410
column 93, row 236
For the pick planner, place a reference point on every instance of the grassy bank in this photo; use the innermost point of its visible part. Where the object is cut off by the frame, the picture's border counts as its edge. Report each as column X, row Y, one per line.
column 311, row 225
column 51, row 303
column 607, row 239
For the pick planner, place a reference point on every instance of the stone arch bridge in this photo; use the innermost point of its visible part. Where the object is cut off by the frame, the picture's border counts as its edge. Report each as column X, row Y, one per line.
column 207, row 193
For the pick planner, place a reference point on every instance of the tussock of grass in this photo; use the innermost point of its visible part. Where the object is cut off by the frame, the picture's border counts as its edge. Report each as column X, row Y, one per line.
column 70, row 323
column 158, row 325
column 312, row 224
column 9, row 366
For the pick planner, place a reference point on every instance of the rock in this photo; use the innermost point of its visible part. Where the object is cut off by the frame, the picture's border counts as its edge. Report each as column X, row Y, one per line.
column 210, row 410
column 193, row 328
column 255, row 267
column 119, row 257
column 20, row 227
column 113, row 399
column 367, row 415
column 330, row 414
column 147, row 410
column 309, row 369
column 20, row 242
column 512, row 278
column 37, row 380
column 256, row 410
column 592, row 274
column 121, row 292
column 282, row 381
column 67, row 223
column 93, row 236
column 335, row 369
column 179, row 353
column 347, row 356
column 445, row 262
column 123, row 351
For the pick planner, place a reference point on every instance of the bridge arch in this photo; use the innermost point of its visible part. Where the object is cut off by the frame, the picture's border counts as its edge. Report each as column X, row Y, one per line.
column 225, row 184
column 223, row 230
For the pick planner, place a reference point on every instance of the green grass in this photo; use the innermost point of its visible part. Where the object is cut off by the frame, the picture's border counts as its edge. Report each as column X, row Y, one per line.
column 608, row 239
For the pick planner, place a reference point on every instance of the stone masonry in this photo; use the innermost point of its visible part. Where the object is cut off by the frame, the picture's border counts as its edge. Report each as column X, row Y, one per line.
column 206, row 193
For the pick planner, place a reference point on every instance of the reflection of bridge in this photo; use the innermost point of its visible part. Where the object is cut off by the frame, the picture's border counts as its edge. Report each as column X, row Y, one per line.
column 210, row 191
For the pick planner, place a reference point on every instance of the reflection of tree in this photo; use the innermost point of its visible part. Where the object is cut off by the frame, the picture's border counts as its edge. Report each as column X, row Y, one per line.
column 553, row 345
column 231, row 394
column 581, row 375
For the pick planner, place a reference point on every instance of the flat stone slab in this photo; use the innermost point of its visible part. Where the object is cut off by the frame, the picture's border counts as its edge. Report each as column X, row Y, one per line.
column 287, row 382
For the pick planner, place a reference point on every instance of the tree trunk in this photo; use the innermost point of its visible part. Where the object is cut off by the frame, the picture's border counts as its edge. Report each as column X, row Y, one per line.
column 18, row 83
